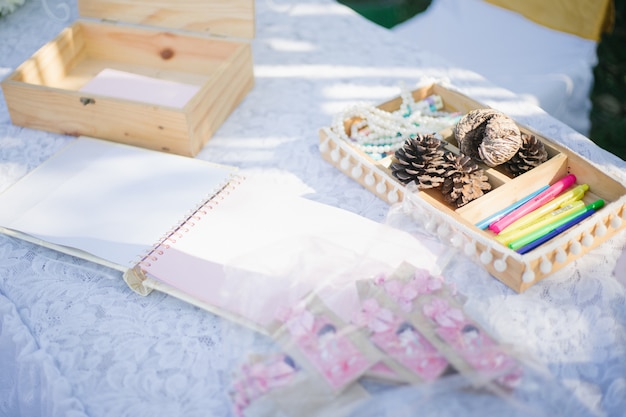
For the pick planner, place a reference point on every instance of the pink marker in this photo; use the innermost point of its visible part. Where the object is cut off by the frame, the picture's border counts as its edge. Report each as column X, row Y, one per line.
column 533, row 204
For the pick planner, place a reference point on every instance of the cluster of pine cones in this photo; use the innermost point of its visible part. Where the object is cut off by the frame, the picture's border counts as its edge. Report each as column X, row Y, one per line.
column 425, row 160
column 485, row 135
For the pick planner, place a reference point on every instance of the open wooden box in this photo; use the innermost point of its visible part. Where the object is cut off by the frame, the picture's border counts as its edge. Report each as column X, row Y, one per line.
column 165, row 80
column 456, row 226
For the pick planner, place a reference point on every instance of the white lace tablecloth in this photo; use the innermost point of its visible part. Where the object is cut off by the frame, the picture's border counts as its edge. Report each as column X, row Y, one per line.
column 75, row 341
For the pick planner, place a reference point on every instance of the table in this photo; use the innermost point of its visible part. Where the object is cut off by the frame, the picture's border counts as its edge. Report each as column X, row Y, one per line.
column 74, row 340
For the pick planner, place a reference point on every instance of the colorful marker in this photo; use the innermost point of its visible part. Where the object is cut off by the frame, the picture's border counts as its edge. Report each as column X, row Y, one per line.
column 531, row 237
column 568, row 197
column 548, row 195
column 508, row 237
column 543, row 239
column 483, row 224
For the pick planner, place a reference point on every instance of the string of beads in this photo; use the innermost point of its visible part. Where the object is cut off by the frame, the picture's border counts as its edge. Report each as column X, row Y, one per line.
column 379, row 133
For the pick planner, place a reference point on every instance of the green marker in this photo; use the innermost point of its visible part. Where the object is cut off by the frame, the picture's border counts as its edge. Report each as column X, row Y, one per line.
column 526, row 239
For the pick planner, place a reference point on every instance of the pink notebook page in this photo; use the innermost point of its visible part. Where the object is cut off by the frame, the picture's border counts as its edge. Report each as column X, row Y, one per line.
column 280, row 248
column 129, row 86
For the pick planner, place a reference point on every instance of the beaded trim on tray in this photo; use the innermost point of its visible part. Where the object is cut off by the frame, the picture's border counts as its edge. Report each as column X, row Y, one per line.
column 557, row 250
column 379, row 133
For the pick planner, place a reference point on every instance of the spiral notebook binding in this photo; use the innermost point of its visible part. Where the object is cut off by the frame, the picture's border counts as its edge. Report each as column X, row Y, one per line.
column 182, row 227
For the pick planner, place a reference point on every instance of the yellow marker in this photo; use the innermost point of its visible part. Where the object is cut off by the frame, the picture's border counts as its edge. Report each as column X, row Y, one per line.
column 506, row 238
column 561, row 201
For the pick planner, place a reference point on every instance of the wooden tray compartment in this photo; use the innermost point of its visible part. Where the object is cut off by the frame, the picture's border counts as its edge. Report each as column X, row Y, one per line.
column 45, row 93
column 456, row 226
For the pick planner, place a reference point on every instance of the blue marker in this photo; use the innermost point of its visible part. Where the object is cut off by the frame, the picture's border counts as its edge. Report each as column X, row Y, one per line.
column 483, row 224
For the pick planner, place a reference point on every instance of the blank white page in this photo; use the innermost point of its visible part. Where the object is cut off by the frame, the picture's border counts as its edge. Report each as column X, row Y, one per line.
column 110, row 200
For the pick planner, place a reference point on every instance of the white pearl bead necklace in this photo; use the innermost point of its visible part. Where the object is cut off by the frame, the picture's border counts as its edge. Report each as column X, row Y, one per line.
column 378, row 133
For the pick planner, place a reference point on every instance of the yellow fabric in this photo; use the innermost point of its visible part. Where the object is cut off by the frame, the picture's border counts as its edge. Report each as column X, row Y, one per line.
column 586, row 18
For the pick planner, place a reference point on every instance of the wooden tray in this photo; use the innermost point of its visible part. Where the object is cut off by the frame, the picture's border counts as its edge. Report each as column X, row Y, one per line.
column 191, row 51
column 456, row 226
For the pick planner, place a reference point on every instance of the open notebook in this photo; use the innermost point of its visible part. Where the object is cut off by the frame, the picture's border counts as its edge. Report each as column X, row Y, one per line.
column 235, row 246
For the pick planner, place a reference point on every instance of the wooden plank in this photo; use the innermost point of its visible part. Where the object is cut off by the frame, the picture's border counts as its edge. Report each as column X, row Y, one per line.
column 51, row 63
column 88, row 68
column 230, row 18
column 153, row 48
column 220, row 96
column 123, row 121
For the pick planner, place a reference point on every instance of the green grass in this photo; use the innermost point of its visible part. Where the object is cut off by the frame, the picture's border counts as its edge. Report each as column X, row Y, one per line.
column 608, row 96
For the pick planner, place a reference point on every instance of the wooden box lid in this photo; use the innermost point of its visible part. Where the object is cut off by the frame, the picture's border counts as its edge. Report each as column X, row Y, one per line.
column 229, row 18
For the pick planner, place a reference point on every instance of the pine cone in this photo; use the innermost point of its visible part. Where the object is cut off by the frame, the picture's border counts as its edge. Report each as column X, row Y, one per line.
column 464, row 180
column 421, row 159
column 532, row 153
